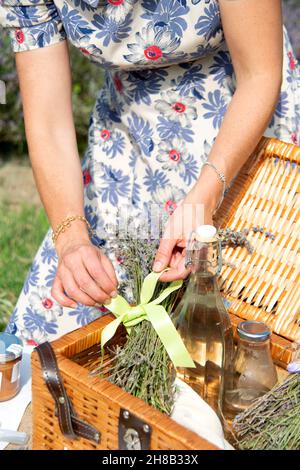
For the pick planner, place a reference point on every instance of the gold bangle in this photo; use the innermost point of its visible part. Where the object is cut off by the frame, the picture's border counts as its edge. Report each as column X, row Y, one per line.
column 66, row 223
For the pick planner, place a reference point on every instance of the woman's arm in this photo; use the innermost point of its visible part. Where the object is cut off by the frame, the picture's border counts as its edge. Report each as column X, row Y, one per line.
column 45, row 83
column 253, row 32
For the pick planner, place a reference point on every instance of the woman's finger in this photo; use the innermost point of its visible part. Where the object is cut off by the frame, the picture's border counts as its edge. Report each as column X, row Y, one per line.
column 58, row 294
column 107, row 264
column 163, row 254
column 179, row 271
column 72, row 289
column 94, row 265
column 87, row 284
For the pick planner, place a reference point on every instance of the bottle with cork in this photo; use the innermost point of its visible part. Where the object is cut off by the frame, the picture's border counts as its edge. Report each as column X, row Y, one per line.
column 203, row 322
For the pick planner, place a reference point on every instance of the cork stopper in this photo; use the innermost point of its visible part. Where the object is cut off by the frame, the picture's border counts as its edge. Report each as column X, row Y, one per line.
column 206, row 233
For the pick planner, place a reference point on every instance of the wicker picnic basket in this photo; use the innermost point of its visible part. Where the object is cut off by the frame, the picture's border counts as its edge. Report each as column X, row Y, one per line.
column 262, row 286
column 265, row 286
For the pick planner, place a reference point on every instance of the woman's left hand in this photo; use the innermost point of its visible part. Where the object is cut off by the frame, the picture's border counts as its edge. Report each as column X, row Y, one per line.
column 196, row 209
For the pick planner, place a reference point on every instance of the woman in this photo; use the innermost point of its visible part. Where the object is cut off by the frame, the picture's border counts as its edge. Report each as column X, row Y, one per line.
column 186, row 82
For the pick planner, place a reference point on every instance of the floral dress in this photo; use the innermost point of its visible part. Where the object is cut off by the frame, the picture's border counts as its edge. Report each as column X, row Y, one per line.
column 168, row 81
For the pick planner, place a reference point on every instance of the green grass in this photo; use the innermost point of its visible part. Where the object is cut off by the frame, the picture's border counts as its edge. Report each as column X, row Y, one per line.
column 21, row 232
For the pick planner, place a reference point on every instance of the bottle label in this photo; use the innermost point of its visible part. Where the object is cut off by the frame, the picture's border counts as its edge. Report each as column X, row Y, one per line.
column 16, row 372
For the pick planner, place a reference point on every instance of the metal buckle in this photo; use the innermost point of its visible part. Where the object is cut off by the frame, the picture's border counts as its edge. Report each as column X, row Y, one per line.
column 134, row 434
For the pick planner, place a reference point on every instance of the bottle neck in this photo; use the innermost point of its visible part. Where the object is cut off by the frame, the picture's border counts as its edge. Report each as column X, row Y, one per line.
column 205, row 259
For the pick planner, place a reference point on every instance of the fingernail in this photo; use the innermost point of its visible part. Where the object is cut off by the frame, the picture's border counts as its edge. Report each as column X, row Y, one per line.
column 107, row 301
column 157, row 266
column 114, row 293
column 74, row 305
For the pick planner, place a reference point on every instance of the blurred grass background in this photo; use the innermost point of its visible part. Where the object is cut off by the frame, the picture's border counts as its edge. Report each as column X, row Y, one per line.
column 22, row 220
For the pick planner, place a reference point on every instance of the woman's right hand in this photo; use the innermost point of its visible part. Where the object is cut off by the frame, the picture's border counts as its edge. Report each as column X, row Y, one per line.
column 84, row 275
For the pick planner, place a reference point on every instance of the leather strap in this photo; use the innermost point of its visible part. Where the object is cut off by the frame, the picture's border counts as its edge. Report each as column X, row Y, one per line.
column 70, row 425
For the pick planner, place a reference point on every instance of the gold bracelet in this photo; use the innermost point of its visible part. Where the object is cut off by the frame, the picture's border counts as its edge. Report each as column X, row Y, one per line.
column 66, row 223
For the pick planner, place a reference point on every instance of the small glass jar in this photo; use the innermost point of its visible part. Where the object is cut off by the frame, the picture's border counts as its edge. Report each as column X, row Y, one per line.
column 10, row 365
column 254, row 373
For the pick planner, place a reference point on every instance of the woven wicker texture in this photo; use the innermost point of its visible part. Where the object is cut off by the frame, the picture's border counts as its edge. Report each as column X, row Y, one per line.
column 265, row 285
column 96, row 400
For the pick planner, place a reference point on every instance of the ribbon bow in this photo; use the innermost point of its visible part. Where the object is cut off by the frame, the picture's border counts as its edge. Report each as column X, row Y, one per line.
column 153, row 312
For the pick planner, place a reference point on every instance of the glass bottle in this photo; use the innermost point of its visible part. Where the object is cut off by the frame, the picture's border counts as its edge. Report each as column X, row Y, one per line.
column 254, row 373
column 203, row 322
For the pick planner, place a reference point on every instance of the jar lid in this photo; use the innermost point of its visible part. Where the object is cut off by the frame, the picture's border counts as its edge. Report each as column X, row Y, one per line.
column 10, row 347
column 206, row 233
column 253, row 330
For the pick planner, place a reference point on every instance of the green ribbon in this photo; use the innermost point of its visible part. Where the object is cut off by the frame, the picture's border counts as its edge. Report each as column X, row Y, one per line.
column 153, row 312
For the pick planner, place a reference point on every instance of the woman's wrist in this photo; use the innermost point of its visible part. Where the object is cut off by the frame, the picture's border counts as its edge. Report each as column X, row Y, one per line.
column 209, row 189
column 76, row 233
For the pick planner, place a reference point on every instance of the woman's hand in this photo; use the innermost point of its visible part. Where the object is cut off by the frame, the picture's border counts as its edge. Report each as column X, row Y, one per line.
column 84, row 275
column 196, row 209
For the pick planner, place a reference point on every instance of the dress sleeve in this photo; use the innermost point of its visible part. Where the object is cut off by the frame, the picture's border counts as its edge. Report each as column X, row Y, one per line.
column 31, row 24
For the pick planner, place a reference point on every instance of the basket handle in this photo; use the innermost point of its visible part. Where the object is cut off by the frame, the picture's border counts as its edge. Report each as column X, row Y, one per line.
column 70, row 425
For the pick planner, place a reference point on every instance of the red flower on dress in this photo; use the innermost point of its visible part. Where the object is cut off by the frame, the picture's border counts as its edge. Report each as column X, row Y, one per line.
column 47, row 303
column 294, row 138
column 170, row 206
column 118, row 83
column 84, row 50
column 31, row 342
column 19, row 35
column 116, row 2
column 105, row 134
column 179, row 107
column 174, row 155
column 292, row 60
column 153, row 52
column 86, row 177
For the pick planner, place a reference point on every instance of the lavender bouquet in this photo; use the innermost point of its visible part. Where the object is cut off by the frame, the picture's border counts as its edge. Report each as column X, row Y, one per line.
column 143, row 367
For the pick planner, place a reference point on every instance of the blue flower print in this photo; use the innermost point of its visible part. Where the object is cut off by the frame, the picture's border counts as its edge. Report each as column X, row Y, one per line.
column 168, row 129
column 75, row 26
column 166, row 14
column 118, row 9
column 49, row 279
column 112, row 143
column 44, row 32
column 48, row 253
column 282, row 105
column 84, row 314
column 84, row 5
column 105, row 112
column 192, row 82
column 133, row 159
column 35, row 33
column 112, row 30
column 216, row 108
column 37, row 324
column 97, row 225
column 155, row 179
column 209, row 24
column 203, row 50
column 114, row 184
column 222, row 67
column 281, row 108
column 26, row 15
column 135, row 196
column 191, row 170
column 32, row 278
column 152, row 45
column 143, row 85
column 141, row 132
